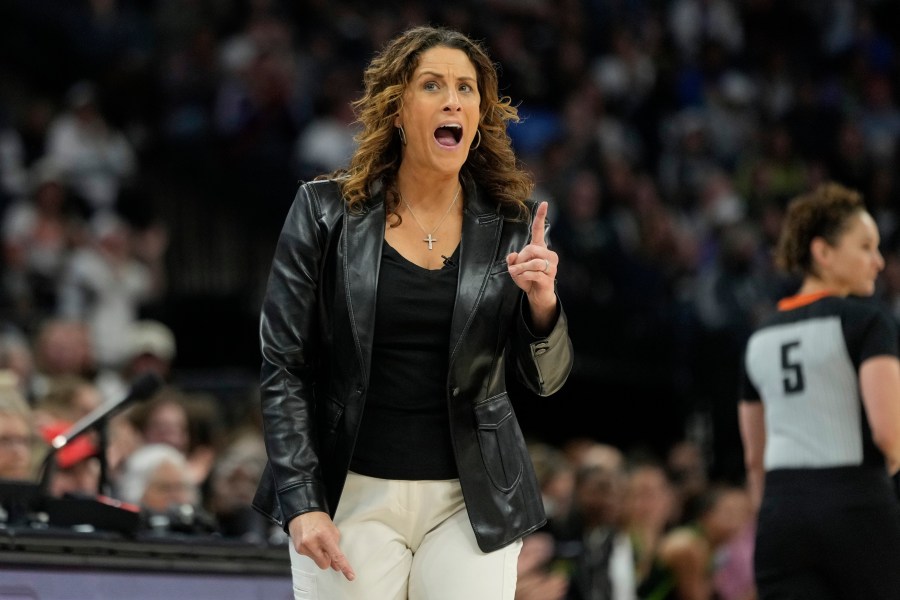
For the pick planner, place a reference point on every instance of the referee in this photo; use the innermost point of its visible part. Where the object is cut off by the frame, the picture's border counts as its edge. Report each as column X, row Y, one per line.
column 820, row 414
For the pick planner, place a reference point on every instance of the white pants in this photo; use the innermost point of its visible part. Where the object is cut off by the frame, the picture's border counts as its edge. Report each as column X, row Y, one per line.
column 407, row 540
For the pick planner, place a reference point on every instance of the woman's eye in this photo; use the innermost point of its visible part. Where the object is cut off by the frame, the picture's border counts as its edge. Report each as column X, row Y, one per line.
column 431, row 85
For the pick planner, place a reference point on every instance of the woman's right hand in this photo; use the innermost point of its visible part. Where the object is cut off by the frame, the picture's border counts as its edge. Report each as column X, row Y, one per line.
column 314, row 534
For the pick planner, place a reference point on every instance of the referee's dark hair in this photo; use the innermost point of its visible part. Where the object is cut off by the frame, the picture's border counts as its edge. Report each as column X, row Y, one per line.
column 822, row 213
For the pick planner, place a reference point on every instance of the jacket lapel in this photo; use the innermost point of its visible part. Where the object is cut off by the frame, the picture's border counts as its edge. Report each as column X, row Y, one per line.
column 478, row 247
column 361, row 263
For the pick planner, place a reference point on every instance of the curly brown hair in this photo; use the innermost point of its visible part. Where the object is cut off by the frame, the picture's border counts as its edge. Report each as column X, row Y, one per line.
column 822, row 213
column 492, row 165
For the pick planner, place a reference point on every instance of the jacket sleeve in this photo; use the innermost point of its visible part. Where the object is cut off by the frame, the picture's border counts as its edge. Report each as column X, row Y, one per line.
column 289, row 345
column 542, row 363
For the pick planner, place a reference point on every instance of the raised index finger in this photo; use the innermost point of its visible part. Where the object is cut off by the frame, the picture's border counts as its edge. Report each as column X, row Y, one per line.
column 537, row 226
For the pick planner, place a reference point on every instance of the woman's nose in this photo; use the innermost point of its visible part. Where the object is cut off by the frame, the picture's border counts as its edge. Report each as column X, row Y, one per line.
column 452, row 101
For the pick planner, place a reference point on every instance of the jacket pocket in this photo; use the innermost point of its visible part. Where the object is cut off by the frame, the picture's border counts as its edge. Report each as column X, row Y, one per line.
column 499, row 440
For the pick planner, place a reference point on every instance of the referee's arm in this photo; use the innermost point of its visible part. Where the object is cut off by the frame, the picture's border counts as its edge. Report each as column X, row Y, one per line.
column 879, row 382
column 753, row 435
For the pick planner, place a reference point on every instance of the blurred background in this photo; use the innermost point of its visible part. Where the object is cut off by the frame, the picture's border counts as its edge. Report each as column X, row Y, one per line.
column 149, row 151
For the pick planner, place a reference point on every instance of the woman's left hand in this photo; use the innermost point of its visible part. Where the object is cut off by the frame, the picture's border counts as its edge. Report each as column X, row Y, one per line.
column 534, row 270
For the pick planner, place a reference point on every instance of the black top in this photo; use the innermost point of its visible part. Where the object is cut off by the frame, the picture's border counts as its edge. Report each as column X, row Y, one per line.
column 405, row 430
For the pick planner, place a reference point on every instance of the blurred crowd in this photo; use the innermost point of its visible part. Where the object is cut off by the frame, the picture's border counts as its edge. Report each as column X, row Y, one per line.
column 629, row 525
column 149, row 150
column 170, row 458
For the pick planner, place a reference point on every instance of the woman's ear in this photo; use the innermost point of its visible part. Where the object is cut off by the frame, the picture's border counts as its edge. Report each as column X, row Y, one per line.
column 820, row 250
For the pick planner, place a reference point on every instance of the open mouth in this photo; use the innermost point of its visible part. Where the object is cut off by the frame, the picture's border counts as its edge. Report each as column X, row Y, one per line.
column 448, row 135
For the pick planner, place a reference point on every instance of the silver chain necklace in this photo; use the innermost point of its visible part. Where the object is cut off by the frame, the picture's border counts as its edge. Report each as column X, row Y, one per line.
column 429, row 237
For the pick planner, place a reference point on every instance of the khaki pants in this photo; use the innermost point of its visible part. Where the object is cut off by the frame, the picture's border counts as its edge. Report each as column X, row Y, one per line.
column 407, row 540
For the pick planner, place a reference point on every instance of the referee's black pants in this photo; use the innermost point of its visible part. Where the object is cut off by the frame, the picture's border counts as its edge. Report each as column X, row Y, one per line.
column 828, row 534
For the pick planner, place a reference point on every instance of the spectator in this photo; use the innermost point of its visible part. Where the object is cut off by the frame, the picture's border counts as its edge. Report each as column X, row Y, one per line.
column 879, row 120
column 687, row 554
column 687, row 468
column 16, row 433
column 77, row 465
column 695, row 22
column 105, row 285
column 541, row 573
column 17, row 360
column 687, row 158
column 848, row 162
column 649, row 513
column 62, row 347
column 151, row 349
column 165, row 420
column 603, row 566
column 77, row 468
column 123, row 439
column 327, row 142
column 38, row 232
column 777, row 172
column 68, row 399
column 233, row 480
column 556, row 477
column 539, row 577
column 627, row 75
column 156, row 478
column 94, row 156
column 733, row 574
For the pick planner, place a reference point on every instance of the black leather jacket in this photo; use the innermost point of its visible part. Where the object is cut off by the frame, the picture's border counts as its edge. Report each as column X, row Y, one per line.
column 316, row 337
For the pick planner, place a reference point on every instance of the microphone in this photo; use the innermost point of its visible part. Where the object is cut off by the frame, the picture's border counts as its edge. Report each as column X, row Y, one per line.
column 145, row 386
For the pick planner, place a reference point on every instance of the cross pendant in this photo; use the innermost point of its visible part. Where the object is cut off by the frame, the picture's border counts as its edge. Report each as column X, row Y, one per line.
column 430, row 241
